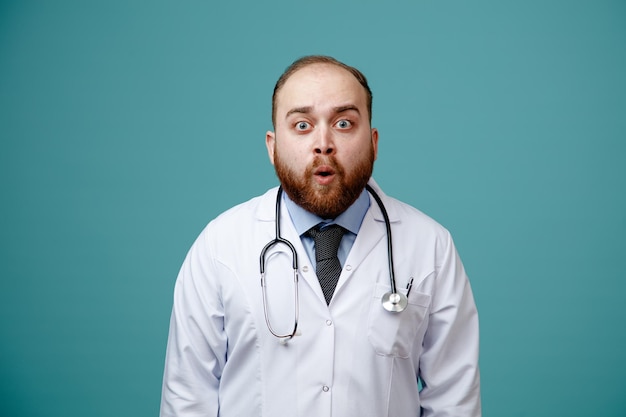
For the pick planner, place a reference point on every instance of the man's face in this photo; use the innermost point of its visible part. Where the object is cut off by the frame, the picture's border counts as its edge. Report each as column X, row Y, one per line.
column 323, row 148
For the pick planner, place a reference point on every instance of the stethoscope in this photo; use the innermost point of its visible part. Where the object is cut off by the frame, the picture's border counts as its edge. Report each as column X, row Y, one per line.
column 392, row 301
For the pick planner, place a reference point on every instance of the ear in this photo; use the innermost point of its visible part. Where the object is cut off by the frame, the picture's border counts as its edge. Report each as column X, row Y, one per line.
column 270, row 143
column 375, row 141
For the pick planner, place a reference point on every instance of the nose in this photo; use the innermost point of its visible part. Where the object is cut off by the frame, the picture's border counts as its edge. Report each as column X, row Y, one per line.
column 325, row 144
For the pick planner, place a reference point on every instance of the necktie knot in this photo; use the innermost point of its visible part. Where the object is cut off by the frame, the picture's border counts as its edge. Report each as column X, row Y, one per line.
column 326, row 240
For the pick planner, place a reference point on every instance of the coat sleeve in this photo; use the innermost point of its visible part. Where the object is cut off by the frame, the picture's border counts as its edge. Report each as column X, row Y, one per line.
column 196, row 347
column 449, row 362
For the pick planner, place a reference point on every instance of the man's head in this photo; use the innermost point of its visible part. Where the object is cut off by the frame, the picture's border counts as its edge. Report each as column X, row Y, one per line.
column 323, row 147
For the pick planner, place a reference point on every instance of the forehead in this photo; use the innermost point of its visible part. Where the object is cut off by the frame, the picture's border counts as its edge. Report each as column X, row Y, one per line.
column 320, row 86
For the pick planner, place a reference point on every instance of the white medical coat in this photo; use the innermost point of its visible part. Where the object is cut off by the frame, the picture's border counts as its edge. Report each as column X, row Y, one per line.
column 351, row 358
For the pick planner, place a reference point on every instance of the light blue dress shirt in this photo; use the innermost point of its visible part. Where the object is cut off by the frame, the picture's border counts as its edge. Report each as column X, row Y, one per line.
column 350, row 220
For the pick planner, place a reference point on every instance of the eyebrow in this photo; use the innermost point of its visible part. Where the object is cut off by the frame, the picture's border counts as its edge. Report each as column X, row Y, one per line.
column 308, row 109
column 298, row 110
column 342, row 109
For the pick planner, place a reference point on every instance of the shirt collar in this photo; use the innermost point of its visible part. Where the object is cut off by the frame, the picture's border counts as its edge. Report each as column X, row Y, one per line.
column 350, row 219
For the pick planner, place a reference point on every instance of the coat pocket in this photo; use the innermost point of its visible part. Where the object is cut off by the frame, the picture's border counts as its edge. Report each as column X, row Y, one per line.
column 393, row 334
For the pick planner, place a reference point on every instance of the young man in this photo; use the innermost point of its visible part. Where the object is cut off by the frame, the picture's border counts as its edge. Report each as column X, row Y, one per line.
column 349, row 333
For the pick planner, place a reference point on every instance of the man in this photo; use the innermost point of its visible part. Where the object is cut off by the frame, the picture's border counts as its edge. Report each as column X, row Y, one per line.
column 322, row 346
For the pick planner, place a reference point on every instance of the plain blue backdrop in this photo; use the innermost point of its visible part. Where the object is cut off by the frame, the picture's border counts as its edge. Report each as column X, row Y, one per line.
column 126, row 126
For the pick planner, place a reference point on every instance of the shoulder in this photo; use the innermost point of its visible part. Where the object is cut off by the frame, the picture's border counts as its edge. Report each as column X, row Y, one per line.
column 407, row 212
column 405, row 215
column 418, row 233
column 412, row 219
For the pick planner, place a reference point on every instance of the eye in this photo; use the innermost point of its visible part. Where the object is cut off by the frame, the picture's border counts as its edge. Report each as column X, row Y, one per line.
column 302, row 125
column 344, row 124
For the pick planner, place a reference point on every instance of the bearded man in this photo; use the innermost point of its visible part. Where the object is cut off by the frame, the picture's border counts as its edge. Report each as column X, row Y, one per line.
column 295, row 304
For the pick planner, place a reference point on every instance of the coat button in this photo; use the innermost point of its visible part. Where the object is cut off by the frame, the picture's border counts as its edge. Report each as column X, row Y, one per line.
column 348, row 267
column 325, row 388
column 305, row 268
column 329, row 322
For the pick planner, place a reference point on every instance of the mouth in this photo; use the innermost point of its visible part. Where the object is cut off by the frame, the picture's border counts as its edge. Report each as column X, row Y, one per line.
column 324, row 174
column 324, row 171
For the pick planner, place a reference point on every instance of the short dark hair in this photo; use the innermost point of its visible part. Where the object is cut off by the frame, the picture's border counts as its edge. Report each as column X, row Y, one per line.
column 320, row 59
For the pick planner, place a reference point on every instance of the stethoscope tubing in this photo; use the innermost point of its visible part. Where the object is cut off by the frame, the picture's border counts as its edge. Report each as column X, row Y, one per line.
column 392, row 276
column 392, row 301
column 294, row 260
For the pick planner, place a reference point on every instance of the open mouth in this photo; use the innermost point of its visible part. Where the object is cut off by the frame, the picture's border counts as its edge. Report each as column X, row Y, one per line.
column 324, row 174
column 324, row 171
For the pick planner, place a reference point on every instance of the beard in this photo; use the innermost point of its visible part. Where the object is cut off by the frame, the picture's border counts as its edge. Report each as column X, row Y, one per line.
column 326, row 201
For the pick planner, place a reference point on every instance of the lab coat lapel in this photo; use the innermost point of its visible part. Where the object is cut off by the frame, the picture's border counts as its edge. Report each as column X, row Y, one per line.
column 370, row 234
column 266, row 213
column 305, row 267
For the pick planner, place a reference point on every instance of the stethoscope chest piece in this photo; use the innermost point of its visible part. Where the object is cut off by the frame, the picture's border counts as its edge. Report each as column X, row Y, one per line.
column 394, row 302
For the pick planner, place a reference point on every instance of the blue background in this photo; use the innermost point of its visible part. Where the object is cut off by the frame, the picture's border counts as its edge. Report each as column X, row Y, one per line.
column 126, row 126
